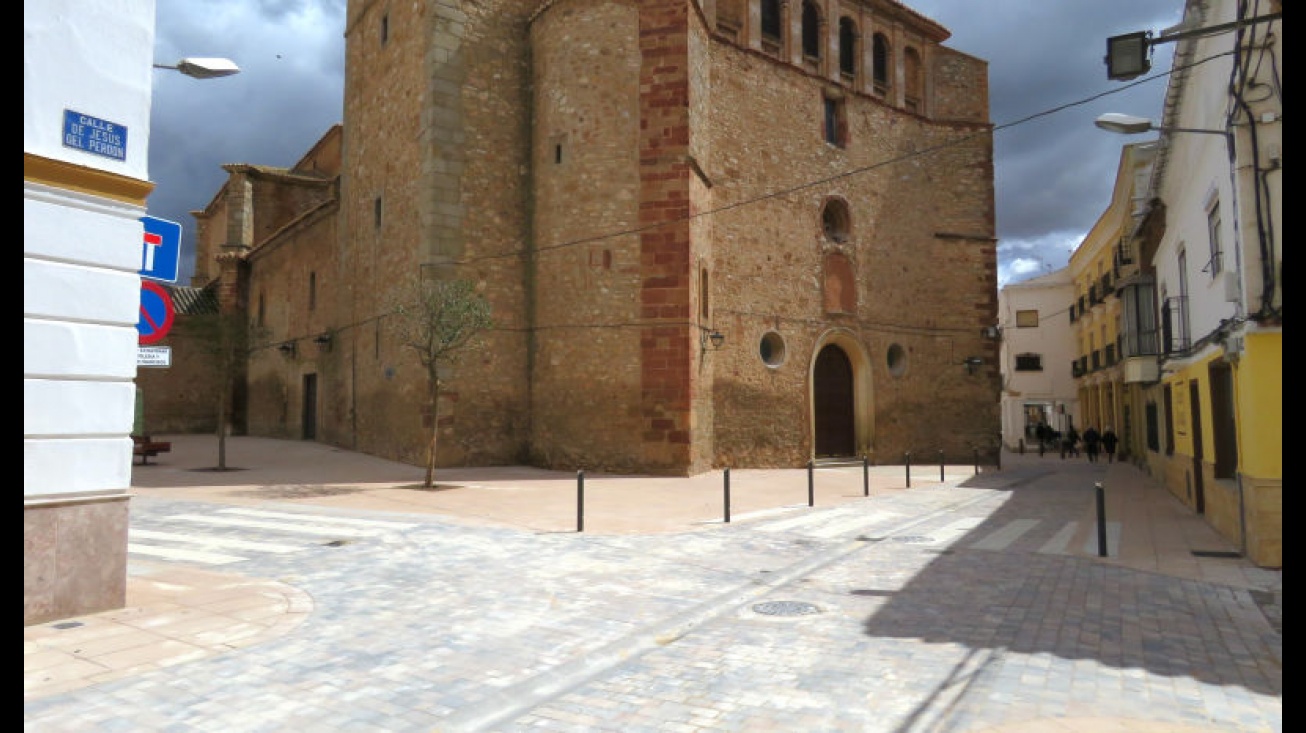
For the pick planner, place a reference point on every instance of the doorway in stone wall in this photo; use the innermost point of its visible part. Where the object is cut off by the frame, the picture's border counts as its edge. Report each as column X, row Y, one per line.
column 832, row 396
column 310, row 407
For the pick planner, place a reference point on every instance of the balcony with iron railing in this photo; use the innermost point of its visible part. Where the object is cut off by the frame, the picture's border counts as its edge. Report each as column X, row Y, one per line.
column 1175, row 337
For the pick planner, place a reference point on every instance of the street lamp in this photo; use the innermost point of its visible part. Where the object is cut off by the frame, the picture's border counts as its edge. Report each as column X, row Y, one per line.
column 1127, row 56
column 203, row 68
column 1130, row 125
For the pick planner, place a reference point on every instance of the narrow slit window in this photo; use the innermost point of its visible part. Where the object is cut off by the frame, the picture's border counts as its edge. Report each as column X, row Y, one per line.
column 835, row 124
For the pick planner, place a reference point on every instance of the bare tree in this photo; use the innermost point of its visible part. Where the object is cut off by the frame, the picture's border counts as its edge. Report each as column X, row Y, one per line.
column 438, row 319
column 224, row 340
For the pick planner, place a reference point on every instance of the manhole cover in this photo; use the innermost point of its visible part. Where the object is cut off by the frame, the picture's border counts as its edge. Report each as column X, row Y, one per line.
column 913, row 539
column 785, row 608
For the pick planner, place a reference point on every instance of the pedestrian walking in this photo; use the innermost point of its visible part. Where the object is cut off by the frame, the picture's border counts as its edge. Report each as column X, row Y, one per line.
column 1109, row 441
column 1070, row 442
column 1092, row 443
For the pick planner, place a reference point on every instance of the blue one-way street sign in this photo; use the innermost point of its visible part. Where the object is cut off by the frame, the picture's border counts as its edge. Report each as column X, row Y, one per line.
column 161, row 249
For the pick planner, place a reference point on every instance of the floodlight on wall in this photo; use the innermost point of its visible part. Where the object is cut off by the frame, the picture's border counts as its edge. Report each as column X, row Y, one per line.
column 203, row 68
column 1128, row 55
column 973, row 362
column 323, row 341
column 991, row 332
column 287, row 348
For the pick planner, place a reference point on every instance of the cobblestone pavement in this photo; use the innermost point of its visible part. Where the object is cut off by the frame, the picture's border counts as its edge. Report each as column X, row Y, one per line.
column 976, row 605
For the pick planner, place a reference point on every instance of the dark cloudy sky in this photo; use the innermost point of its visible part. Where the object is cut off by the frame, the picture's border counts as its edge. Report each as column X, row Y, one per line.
column 1054, row 173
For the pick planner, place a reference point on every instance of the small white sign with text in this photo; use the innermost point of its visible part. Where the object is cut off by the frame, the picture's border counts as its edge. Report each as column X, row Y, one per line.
column 154, row 356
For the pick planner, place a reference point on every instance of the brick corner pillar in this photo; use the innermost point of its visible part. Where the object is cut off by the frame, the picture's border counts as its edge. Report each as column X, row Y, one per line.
column 665, row 340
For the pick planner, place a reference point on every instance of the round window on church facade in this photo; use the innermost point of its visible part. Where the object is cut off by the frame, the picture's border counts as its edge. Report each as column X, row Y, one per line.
column 772, row 349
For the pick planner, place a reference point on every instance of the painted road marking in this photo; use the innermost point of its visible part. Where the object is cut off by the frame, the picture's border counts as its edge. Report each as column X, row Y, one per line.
column 211, row 541
column 1002, row 539
column 319, row 518
column 177, row 553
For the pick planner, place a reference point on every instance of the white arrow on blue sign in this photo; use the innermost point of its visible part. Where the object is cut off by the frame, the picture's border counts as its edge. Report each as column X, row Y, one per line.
column 161, row 249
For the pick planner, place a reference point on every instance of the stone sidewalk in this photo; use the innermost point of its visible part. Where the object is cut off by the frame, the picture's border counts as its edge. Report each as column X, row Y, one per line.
column 634, row 623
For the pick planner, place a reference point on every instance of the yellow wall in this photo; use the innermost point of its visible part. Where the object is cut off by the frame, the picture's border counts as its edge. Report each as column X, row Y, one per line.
column 1259, row 380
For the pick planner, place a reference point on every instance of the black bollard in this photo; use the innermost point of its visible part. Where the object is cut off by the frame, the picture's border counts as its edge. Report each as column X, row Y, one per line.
column 940, row 466
column 976, row 460
column 906, row 460
column 866, row 476
column 580, row 500
column 1022, row 446
column 1101, row 519
column 726, row 478
column 811, row 493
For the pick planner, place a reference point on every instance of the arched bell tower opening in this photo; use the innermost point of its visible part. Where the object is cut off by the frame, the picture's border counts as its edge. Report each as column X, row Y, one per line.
column 840, row 398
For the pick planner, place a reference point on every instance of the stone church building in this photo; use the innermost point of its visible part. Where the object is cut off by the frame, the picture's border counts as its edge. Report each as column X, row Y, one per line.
column 713, row 233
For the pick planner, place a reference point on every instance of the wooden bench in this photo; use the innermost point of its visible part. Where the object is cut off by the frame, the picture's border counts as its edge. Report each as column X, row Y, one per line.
column 144, row 447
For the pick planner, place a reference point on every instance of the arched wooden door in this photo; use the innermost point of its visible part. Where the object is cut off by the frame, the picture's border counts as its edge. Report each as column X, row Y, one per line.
column 832, row 396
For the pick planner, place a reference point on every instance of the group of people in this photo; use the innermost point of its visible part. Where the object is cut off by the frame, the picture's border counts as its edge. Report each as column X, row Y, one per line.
column 1095, row 443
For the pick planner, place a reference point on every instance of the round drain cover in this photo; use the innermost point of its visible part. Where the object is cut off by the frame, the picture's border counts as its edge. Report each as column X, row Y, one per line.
column 914, row 539
column 785, row 608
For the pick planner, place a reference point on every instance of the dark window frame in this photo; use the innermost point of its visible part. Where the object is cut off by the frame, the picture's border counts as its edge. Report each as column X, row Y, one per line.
column 1029, row 362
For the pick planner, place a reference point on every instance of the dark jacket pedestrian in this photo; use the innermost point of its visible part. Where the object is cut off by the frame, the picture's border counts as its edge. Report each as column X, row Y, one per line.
column 1092, row 443
column 1070, row 442
column 1109, row 441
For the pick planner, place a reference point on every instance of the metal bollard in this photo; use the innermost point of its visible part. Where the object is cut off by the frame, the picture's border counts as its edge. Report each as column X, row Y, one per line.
column 1101, row 519
column 906, row 460
column 811, row 493
column 1022, row 446
column 726, row 478
column 941, row 467
column 866, row 476
column 580, row 500
column 976, row 460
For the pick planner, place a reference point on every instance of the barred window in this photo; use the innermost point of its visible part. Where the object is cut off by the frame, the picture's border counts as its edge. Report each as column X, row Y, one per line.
column 1029, row 362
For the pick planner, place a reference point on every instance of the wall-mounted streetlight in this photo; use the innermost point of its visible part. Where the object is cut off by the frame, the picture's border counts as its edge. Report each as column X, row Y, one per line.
column 972, row 363
column 1131, row 125
column 203, row 68
column 715, row 337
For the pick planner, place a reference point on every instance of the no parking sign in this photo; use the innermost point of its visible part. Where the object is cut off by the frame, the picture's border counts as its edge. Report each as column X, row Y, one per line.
column 156, row 312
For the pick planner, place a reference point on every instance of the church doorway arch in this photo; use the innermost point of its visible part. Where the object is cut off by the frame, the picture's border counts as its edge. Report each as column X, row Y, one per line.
column 833, row 403
column 841, row 401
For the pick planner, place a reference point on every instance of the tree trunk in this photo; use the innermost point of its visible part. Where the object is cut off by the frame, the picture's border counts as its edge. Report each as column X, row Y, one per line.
column 222, row 429
column 435, row 434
